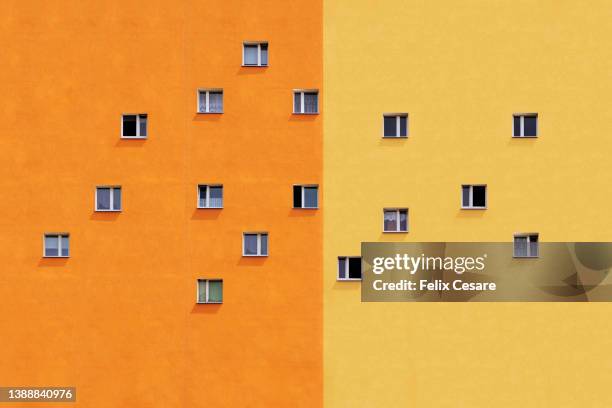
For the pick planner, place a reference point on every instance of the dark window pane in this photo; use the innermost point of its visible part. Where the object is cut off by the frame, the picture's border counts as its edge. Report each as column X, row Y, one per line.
column 250, row 244
column 116, row 199
column 390, row 123
column 264, row 54
column 517, row 126
column 129, row 125
column 479, row 196
column 403, row 126
column 264, row 244
column 297, row 102
column 341, row 268
column 403, row 220
column 530, row 126
column 355, row 268
column 465, row 196
column 143, row 125
column 202, row 195
column 103, row 198
column 297, row 196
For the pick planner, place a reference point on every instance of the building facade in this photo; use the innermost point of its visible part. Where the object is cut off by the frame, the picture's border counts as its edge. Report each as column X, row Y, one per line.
column 460, row 72
column 126, row 95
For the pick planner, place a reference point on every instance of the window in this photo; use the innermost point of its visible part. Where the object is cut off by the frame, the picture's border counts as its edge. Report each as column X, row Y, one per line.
column 526, row 246
column 134, row 126
column 305, row 101
column 255, row 54
column 210, row 291
column 474, row 196
column 395, row 220
column 349, row 268
column 255, row 244
column 210, row 196
column 210, row 101
column 395, row 125
column 56, row 246
column 306, row 196
column 525, row 125
column 108, row 198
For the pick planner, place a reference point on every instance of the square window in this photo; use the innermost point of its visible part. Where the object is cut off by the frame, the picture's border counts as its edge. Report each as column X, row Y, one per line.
column 134, row 126
column 210, row 291
column 210, row 101
column 474, row 196
column 395, row 220
column 255, row 244
column 255, row 54
column 210, row 196
column 525, row 125
column 56, row 246
column 526, row 245
column 349, row 268
column 306, row 101
column 108, row 198
column 305, row 196
column 395, row 125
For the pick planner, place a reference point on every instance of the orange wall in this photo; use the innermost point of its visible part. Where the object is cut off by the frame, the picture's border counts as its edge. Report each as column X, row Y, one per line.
column 118, row 319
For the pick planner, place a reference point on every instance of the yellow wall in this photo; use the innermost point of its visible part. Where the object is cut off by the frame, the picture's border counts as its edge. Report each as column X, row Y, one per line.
column 461, row 70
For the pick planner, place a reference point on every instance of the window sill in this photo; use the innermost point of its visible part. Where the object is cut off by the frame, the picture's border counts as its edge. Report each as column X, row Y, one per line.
column 305, row 113
column 254, row 256
column 473, row 208
column 209, row 113
column 52, row 257
column 210, row 208
column 395, row 137
column 254, row 66
column 525, row 257
column 524, row 137
column 134, row 137
column 395, row 232
column 105, row 211
column 209, row 303
column 348, row 280
column 305, row 208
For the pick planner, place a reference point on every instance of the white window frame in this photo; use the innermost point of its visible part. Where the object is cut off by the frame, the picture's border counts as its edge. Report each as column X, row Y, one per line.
column 397, row 125
column 527, row 235
column 302, row 92
column 471, row 197
column 259, row 234
column 208, row 186
column 112, row 198
column 346, row 269
column 258, row 44
column 303, row 187
column 58, row 235
column 397, row 222
column 138, row 115
column 207, row 92
column 522, row 125
column 206, row 301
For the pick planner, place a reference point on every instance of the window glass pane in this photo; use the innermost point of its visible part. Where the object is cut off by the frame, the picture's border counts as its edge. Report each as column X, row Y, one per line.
column 297, row 196
column 202, row 101
column 517, row 126
column 103, row 198
column 201, row 290
column 403, row 220
column 215, row 101
column 310, row 197
column 341, row 268
column 264, row 244
column 465, row 196
column 250, row 244
column 129, row 125
column 390, row 221
column 311, row 102
column 355, row 268
column 530, row 126
column 250, row 54
column 403, row 125
column 202, row 196
column 116, row 199
column 143, row 125
column 520, row 246
column 297, row 102
column 390, row 124
column 216, row 196
column 215, row 291
column 65, row 246
column 479, row 196
column 264, row 54
column 51, row 245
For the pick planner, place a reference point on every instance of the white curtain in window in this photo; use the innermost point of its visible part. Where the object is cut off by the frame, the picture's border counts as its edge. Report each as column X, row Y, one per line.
column 216, row 197
column 215, row 102
column 310, row 102
column 390, row 221
column 520, row 246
